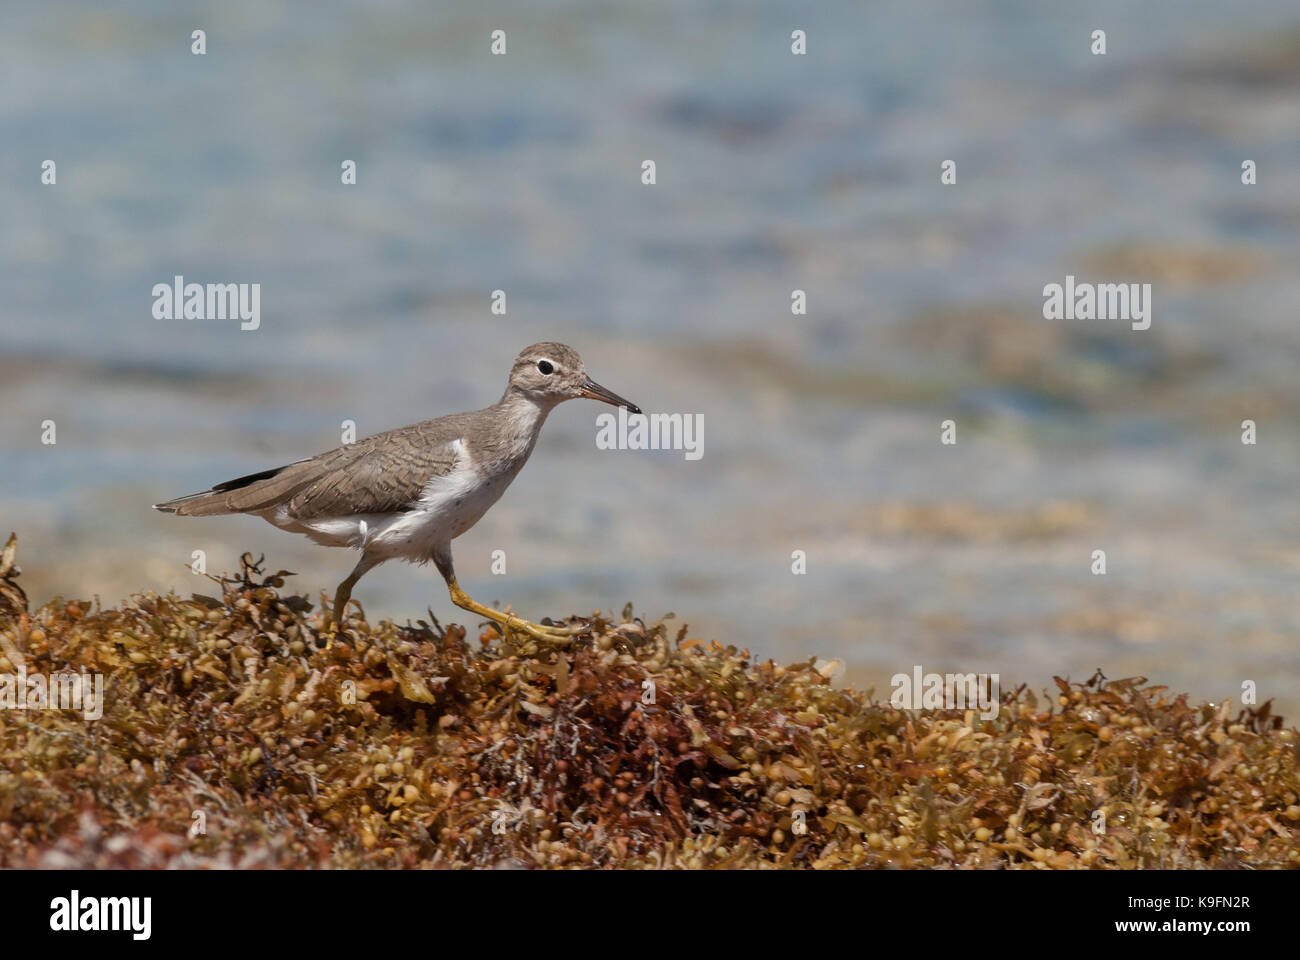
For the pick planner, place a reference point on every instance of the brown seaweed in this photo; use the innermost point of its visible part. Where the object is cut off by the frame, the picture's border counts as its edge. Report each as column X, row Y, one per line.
column 235, row 734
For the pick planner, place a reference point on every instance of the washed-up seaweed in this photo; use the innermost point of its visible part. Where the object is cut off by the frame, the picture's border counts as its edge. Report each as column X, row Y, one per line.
column 235, row 733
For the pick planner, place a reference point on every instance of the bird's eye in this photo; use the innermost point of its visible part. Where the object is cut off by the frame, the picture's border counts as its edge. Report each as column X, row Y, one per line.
column 546, row 367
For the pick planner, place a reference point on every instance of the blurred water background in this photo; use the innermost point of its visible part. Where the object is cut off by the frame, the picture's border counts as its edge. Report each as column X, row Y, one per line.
column 775, row 172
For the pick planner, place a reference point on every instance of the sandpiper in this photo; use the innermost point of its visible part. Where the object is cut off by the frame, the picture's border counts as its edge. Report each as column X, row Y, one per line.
column 408, row 493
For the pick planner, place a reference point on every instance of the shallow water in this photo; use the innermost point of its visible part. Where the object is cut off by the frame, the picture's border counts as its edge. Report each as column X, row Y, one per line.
column 774, row 173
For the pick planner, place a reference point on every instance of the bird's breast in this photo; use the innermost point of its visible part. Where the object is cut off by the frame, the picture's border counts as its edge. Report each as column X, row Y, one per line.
column 458, row 500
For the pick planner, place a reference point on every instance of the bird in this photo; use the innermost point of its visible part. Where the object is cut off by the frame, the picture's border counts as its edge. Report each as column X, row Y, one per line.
column 407, row 493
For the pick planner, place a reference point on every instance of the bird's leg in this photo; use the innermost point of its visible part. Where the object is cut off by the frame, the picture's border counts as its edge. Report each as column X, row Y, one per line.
column 341, row 598
column 344, row 592
column 508, row 621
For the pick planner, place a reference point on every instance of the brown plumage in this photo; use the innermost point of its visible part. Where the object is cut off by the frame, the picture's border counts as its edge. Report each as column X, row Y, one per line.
column 379, row 474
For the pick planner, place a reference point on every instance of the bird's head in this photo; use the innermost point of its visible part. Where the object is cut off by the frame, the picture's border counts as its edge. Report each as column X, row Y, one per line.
column 549, row 373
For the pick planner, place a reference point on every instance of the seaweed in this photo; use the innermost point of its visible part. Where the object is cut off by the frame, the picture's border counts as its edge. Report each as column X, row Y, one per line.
column 235, row 734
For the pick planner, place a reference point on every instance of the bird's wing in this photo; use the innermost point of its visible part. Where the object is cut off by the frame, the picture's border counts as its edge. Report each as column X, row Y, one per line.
column 385, row 480
column 381, row 473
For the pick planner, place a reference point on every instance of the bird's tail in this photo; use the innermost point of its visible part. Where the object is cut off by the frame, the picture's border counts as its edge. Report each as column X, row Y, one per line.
column 257, row 491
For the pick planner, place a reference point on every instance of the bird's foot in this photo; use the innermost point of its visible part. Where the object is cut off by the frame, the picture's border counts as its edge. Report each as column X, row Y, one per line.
column 511, row 624
column 331, row 631
column 568, row 630
column 547, row 633
column 335, row 625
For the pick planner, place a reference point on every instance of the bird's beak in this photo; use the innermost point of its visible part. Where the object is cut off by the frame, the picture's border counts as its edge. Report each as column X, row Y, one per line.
column 594, row 391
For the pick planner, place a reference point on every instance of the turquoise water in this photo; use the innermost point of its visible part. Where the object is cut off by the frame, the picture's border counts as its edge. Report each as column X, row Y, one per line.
column 775, row 172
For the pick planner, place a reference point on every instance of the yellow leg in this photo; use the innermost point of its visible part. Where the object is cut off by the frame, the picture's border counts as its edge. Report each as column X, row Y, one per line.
column 509, row 622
